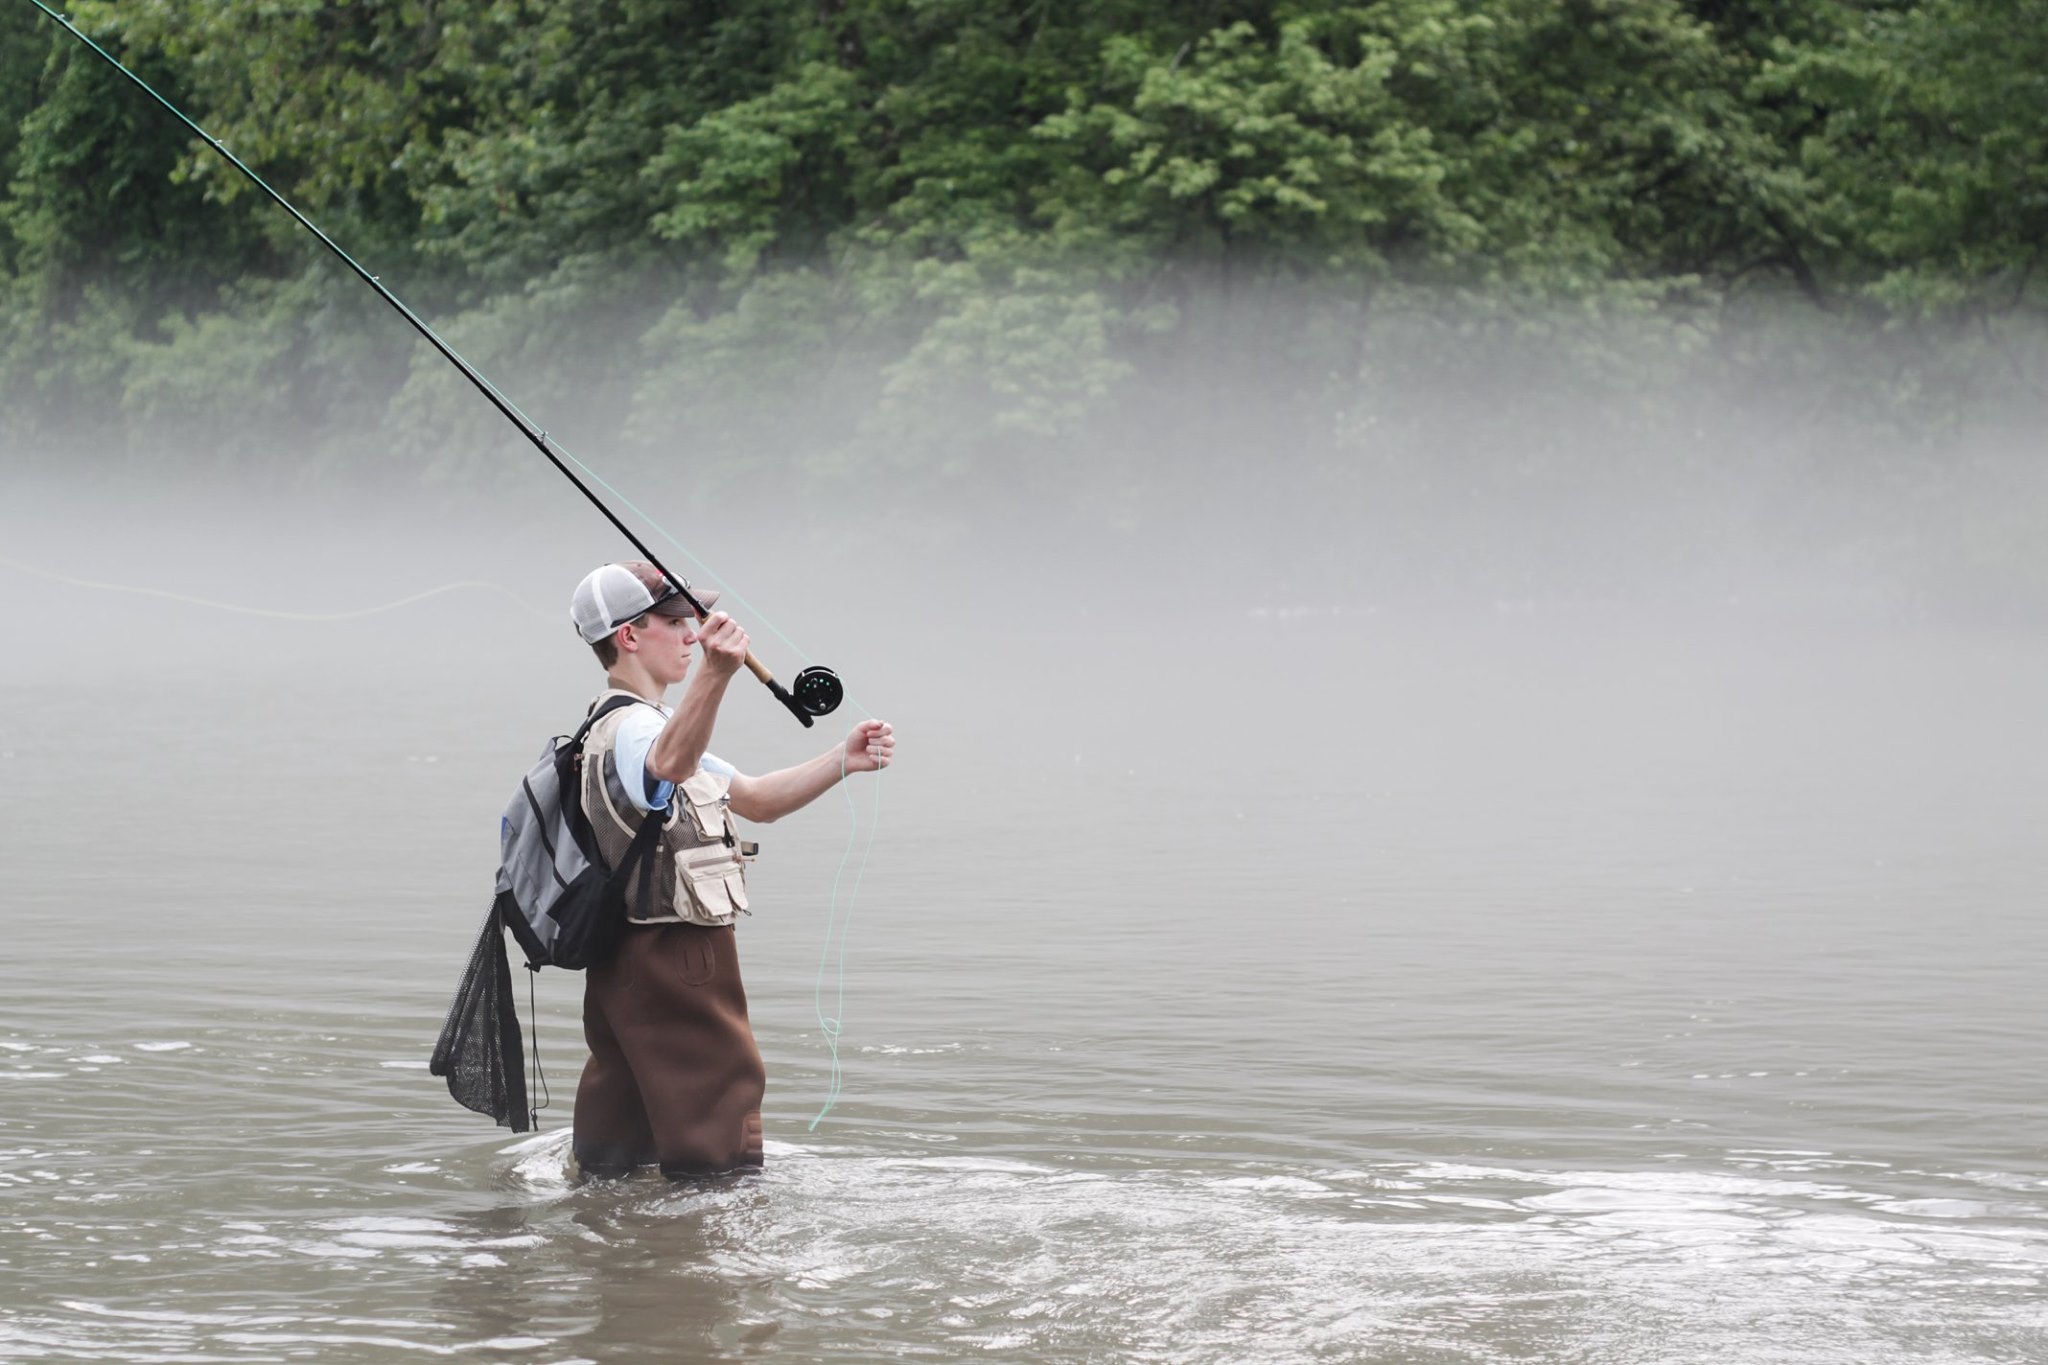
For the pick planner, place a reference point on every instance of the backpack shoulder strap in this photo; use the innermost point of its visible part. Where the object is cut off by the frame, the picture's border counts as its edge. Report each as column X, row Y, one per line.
column 566, row 758
column 604, row 708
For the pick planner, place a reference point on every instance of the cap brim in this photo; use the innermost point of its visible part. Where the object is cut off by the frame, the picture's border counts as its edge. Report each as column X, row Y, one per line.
column 675, row 604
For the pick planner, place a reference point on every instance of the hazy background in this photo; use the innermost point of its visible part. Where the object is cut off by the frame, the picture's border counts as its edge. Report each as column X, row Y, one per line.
column 1373, row 914
column 1461, row 594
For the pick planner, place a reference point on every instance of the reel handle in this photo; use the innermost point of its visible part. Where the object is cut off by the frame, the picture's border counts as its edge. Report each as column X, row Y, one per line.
column 760, row 670
column 818, row 690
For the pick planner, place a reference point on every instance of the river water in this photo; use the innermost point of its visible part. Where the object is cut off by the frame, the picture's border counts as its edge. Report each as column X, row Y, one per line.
column 1304, row 981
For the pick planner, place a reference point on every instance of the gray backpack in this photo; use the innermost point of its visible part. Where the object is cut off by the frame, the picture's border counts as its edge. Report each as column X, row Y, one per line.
column 555, row 893
column 563, row 904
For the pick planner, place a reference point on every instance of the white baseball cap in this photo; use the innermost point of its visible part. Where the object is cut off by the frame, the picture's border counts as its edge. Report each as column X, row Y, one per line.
column 610, row 596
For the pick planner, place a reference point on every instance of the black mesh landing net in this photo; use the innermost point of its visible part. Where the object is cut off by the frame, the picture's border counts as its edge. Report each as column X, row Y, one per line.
column 479, row 1049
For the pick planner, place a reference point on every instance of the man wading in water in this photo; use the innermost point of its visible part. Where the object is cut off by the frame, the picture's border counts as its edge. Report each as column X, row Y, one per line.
column 674, row 1078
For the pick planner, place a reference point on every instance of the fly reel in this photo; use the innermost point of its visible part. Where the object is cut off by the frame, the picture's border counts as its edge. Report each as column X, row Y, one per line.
column 818, row 691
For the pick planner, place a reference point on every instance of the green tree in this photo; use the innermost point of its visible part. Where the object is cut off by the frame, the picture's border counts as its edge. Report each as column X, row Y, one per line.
column 1923, row 136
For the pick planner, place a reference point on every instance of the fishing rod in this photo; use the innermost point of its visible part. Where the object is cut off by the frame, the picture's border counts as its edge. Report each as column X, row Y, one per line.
column 817, row 690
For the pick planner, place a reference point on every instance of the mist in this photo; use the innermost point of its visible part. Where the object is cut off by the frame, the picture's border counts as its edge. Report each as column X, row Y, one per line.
column 1495, row 787
column 1460, row 591
column 1468, row 552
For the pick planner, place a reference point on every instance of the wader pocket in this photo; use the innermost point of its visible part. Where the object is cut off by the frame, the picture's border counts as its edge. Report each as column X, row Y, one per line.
column 711, row 887
column 698, row 960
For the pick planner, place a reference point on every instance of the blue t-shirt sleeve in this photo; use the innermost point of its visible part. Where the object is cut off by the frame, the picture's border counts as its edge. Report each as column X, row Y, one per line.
column 636, row 735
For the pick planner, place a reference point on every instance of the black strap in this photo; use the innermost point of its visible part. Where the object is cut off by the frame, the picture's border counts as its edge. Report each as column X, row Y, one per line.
column 600, row 711
column 568, row 761
column 648, row 781
column 644, row 838
column 540, row 1076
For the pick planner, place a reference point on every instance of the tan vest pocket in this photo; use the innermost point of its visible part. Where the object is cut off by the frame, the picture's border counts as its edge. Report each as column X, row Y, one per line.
column 706, row 794
column 711, row 886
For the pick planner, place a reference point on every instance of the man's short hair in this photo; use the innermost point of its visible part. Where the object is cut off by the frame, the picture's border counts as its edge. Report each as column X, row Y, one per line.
column 607, row 649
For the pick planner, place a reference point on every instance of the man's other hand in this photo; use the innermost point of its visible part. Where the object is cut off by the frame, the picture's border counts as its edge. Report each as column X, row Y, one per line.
column 870, row 747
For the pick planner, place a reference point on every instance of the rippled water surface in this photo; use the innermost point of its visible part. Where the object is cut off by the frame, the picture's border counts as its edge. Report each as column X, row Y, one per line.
column 1326, row 987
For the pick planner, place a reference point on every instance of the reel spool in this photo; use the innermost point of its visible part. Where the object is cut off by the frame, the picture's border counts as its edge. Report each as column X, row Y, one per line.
column 817, row 690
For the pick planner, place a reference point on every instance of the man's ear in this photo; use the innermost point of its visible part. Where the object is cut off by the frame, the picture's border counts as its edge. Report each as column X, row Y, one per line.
column 628, row 640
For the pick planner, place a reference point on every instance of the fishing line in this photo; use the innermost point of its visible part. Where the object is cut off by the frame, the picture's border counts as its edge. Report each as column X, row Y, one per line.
column 272, row 612
column 540, row 1076
column 688, row 554
column 830, row 1025
column 818, row 690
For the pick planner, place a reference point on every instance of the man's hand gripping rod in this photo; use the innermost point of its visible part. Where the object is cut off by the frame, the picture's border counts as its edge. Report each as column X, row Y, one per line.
column 818, row 690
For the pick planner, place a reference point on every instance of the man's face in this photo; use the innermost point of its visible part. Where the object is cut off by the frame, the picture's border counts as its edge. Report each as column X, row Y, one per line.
column 663, row 644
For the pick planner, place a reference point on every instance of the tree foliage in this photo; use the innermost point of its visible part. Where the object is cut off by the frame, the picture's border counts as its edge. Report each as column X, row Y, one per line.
column 1036, row 204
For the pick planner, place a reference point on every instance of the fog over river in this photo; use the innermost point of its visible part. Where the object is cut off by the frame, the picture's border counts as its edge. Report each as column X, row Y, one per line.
column 1443, row 926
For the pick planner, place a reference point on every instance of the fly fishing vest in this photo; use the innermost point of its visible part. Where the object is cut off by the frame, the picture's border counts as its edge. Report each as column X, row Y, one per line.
column 698, row 872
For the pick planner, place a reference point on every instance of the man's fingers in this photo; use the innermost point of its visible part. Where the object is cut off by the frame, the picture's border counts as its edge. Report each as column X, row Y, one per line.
column 724, row 642
column 875, row 738
column 722, row 633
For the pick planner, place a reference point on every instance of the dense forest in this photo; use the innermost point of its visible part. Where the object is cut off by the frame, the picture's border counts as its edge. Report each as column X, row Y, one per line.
column 996, row 225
